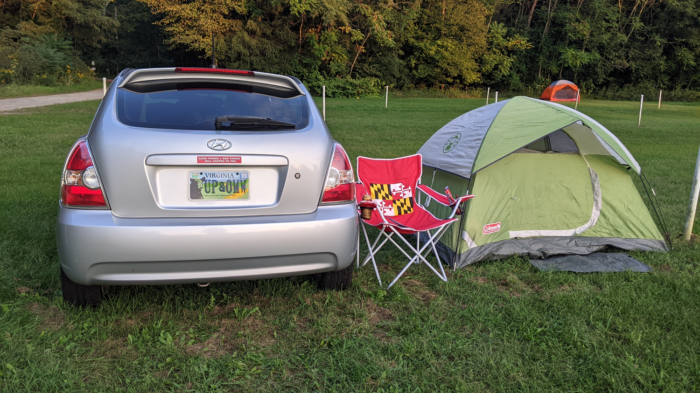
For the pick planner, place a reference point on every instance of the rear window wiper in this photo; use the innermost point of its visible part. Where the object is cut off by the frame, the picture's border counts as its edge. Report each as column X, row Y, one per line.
column 251, row 123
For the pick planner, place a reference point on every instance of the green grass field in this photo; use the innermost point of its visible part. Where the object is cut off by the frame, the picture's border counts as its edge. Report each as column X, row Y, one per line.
column 15, row 91
column 496, row 326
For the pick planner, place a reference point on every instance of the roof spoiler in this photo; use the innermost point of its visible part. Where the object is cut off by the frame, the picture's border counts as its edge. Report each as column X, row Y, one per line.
column 262, row 78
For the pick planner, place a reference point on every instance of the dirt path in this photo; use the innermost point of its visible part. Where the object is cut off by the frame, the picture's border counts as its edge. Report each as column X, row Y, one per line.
column 11, row 104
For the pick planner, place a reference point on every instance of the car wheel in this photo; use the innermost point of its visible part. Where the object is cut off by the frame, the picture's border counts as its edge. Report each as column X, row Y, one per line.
column 81, row 295
column 338, row 280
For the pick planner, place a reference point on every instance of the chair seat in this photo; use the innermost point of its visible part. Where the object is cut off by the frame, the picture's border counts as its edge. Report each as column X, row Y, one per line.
column 418, row 221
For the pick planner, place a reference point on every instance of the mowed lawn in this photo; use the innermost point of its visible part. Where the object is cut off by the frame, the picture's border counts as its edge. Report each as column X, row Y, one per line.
column 495, row 326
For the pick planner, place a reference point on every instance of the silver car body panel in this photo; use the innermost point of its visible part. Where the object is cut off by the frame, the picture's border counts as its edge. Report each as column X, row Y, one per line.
column 152, row 233
column 97, row 248
column 120, row 154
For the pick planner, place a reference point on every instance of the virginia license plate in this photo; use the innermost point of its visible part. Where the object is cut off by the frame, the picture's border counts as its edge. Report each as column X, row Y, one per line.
column 219, row 185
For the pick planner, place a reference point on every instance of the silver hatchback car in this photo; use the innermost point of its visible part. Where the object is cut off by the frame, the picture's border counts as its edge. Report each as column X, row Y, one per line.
column 198, row 175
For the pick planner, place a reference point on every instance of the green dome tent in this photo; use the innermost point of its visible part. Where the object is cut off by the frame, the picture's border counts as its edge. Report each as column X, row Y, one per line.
column 548, row 180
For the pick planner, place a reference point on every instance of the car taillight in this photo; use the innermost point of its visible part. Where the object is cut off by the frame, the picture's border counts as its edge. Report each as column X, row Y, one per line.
column 340, row 180
column 80, row 184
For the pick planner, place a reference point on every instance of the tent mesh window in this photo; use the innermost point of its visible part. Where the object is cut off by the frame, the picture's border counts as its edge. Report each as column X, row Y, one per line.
column 557, row 142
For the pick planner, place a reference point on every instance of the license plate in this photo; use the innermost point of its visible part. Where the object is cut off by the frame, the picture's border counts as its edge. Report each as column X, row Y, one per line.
column 219, row 185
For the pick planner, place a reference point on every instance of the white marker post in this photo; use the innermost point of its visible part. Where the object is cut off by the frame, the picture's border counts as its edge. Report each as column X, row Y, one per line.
column 641, row 105
column 488, row 91
column 386, row 100
column 104, row 87
column 660, row 92
column 578, row 97
column 692, row 207
column 324, row 103
column 496, row 97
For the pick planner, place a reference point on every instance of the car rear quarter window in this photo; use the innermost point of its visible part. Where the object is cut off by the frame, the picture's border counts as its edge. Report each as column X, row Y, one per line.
column 196, row 105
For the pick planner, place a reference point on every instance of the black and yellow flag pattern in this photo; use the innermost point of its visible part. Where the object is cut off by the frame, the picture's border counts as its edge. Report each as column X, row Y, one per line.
column 380, row 191
column 403, row 206
column 392, row 207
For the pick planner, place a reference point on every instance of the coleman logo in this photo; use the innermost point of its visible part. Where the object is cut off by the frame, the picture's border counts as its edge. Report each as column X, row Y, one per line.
column 451, row 143
column 491, row 228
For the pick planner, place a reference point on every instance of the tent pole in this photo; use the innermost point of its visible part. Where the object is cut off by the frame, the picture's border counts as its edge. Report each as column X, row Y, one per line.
column 693, row 204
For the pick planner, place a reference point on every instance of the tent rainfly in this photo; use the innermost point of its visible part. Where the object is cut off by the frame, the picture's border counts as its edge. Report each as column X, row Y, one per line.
column 561, row 91
column 547, row 180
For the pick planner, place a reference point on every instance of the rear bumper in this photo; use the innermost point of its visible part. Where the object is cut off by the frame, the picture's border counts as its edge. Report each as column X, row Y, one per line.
column 97, row 248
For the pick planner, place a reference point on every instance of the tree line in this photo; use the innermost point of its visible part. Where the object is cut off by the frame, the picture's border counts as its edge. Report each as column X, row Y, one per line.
column 358, row 46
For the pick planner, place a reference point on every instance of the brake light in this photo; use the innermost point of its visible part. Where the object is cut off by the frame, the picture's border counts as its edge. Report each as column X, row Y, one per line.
column 80, row 184
column 340, row 180
column 213, row 71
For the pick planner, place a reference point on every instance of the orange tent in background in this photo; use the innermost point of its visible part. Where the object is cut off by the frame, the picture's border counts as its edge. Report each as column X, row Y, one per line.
column 561, row 90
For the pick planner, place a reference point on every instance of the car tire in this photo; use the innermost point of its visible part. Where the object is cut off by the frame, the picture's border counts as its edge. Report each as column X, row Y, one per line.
column 80, row 295
column 338, row 280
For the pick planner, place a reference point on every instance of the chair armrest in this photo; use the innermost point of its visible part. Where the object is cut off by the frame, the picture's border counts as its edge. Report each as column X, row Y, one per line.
column 445, row 200
column 442, row 198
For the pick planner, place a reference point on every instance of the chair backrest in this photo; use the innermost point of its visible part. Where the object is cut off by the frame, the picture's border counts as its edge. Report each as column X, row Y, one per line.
column 391, row 182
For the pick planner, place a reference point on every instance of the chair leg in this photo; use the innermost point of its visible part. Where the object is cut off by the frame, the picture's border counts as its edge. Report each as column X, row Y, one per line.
column 400, row 274
column 357, row 251
column 372, row 251
column 418, row 243
column 432, row 240
column 439, row 262
column 373, row 248
column 419, row 252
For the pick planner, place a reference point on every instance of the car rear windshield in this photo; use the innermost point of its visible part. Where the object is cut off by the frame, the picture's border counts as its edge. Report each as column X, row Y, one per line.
column 196, row 105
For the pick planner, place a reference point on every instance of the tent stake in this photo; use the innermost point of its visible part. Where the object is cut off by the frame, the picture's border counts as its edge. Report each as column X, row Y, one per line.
column 496, row 97
column 660, row 92
column 104, row 87
column 386, row 100
column 324, row 103
column 641, row 105
column 693, row 205
column 488, row 91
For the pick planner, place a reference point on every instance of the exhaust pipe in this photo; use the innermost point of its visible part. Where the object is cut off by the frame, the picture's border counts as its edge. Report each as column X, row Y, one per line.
column 203, row 285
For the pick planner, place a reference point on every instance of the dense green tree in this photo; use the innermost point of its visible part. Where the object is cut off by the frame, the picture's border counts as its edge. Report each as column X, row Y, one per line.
column 40, row 41
column 358, row 46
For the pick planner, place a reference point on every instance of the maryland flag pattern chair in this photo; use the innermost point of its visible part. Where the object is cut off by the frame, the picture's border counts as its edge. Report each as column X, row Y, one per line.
column 392, row 185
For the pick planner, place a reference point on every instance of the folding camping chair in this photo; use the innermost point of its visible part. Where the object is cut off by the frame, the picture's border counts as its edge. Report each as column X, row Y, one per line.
column 392, row 185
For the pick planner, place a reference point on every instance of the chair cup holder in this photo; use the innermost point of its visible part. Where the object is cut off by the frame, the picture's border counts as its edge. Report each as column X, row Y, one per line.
column 366, row 210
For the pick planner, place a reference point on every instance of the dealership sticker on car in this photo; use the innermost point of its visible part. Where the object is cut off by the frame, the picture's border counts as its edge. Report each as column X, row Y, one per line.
column 491, row 228
column 219, row 185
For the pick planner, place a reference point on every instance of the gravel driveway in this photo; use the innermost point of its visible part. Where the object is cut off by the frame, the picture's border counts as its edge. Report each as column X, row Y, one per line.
column 11, row 104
